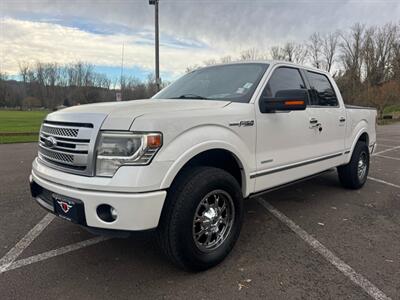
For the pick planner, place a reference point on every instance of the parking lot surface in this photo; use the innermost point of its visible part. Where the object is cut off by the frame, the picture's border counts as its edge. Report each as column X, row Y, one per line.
column 334, row 232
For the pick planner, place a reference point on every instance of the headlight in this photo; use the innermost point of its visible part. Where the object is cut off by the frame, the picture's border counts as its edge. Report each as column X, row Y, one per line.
column 123, row 148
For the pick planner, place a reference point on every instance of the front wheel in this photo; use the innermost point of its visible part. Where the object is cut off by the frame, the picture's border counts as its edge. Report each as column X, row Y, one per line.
column 202, row 218
column 355, row 173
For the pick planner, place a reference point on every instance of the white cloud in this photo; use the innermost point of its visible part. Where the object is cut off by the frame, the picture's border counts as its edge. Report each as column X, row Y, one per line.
column 224, row 26
column 27, row 41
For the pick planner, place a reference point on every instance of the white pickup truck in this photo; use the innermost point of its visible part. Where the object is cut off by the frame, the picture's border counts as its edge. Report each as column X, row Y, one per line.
column 182, row 162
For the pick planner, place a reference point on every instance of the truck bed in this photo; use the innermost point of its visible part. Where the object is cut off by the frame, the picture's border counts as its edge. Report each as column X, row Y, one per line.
column 358, row 107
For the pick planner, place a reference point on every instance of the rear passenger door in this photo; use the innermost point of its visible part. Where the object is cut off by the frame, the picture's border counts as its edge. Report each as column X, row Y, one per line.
column 327, row 115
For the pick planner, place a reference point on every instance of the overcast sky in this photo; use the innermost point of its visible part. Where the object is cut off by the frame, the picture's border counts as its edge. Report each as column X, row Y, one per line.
column 191, row 31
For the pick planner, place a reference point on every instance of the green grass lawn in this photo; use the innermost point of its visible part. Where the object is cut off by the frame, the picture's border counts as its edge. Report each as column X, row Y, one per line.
column 18, row 139
column 25, row 125
column 391, row 109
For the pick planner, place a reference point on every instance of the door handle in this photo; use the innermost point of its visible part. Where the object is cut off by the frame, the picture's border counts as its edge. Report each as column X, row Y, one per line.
column 342, row 119
column 315, row 124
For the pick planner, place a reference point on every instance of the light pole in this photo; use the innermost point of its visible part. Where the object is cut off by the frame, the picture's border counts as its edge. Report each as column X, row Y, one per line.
column 157, row 43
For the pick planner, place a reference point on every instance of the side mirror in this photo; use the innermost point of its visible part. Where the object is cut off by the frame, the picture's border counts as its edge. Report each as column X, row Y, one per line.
column 284, row 100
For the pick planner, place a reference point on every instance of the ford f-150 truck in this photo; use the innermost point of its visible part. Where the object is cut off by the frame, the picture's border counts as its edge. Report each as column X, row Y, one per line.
column 182, row 162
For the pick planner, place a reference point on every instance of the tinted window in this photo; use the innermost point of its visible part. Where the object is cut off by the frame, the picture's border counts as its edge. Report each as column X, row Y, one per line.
column 233, row 82
column 284, row 79
column 322, row 92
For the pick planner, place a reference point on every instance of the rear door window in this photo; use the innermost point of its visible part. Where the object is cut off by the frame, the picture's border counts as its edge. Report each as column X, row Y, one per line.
column 321, row 90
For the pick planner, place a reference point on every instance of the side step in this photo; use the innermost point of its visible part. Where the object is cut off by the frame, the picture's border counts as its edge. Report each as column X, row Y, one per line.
column 257, row 194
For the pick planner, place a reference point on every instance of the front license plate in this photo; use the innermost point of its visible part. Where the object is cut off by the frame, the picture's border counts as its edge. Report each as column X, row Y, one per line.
column 66, row 208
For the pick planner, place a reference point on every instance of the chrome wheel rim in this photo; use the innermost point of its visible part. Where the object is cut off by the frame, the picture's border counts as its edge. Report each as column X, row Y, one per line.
column 362, row 166
column 213, row 220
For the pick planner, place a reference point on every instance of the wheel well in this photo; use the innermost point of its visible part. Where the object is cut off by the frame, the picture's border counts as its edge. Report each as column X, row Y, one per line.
column 364, row 138
column 218, row 158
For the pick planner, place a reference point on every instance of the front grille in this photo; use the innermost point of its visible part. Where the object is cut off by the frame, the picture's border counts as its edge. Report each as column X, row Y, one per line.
column 66, row 146
column 60, row 157
column 68, row 132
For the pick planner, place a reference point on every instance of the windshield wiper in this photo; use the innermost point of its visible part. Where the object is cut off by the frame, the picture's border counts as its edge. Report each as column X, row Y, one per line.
column 189, row 96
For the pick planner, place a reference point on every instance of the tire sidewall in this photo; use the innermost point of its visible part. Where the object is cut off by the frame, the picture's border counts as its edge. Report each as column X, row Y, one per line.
column 193, row 255
column 360, row 149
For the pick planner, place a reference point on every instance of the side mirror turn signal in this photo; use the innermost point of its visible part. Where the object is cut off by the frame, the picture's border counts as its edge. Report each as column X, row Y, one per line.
column 286, row 100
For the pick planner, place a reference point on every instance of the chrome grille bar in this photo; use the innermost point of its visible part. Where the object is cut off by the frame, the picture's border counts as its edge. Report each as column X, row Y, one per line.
column 67, row 146
column 60, row 131
column 56, row 156
column 75, row 159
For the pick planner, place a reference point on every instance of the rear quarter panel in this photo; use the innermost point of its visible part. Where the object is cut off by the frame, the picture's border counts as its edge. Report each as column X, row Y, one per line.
column 360, row 120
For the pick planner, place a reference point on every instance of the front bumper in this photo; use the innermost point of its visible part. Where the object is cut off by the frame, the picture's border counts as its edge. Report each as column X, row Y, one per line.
column 135, row 211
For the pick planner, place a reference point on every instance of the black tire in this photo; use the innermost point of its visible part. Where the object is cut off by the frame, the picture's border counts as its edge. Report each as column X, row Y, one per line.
column 175, row 231
column 349, row 174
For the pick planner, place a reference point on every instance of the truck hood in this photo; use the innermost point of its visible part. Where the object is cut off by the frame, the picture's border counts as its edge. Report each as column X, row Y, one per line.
column 120, row 115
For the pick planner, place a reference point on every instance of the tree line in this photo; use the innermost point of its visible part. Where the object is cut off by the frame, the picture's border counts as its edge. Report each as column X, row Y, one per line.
column 49, row 85
column 365, row 62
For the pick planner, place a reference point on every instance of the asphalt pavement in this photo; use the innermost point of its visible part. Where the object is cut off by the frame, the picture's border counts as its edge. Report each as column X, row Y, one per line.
column 338, row 244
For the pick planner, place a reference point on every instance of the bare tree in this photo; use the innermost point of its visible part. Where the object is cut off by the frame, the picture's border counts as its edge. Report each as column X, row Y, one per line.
column 23, row 71
column 294, row 52
column 3, row 88
column 329, row 50
column 352, row 51
column 191, row 68
column 24, row 74
column 383, row 95
column 251, row 54
column 378, row 50
column 314, row 47
column 289, row 51
column 395, row 60
column 226, row 59
column 351, row 58
column 277, row 53
column 52, row 84
column 366, row 62
column 210, row 62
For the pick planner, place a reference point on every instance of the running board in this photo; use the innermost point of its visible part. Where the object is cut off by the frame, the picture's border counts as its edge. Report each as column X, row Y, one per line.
column 257, row 194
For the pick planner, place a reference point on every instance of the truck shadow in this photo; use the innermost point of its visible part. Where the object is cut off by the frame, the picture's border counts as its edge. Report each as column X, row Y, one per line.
column 142, row 248
column 136, row 267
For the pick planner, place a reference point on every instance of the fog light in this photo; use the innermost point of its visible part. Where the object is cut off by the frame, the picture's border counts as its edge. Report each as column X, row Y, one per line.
column 107, row 213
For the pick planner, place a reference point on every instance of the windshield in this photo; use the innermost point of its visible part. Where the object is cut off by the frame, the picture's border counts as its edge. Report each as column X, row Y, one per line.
column 234, row 82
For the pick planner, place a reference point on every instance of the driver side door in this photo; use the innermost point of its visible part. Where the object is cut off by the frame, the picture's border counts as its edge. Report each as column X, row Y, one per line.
column 284, row 139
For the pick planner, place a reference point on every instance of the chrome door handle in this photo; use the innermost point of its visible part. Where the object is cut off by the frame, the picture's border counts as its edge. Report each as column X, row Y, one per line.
column 316, row 125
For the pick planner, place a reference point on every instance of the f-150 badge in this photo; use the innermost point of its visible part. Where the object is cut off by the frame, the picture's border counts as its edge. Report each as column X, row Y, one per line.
column 242, row 123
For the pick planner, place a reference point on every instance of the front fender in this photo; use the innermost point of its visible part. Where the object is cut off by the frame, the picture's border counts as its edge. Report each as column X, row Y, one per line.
column 202, row 138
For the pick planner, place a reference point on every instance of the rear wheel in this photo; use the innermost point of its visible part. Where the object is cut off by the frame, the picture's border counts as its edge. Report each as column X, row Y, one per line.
column 355, row 173
column 202, row 218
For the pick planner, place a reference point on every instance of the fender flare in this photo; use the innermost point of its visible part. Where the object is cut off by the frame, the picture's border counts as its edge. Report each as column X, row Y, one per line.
column 357, row 137
column 184, row 158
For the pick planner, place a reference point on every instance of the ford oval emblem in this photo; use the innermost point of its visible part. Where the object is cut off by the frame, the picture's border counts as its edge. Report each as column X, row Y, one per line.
column 50, row 142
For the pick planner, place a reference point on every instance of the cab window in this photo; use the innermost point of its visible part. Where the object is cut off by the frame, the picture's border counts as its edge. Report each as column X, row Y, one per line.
column 284, row 78
column 321, row 90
